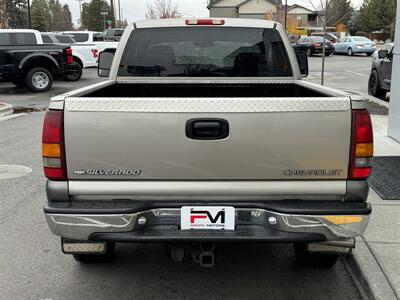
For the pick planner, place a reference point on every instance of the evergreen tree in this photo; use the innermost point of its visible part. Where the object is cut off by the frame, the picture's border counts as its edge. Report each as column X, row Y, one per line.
column 67, row 18
column 339, row 12
column 377, row 15
column 57, row 17
column 15, row 13
column 92, row 18
column 40, row 15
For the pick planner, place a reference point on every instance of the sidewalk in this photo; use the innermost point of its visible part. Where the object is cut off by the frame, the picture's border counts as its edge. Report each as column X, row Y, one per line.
column 377, row 253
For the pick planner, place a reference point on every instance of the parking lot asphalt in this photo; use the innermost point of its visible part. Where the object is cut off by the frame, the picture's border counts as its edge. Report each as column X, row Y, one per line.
column 342, row 72
column 33, row 267
column 21, row 97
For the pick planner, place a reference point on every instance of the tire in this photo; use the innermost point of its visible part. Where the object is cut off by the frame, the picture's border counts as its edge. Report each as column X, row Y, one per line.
column 97, row 258
column 309, row 52
column 374, row 88
column 317, row 260
column 77, row 74
column 39, row 80
column 369, row 54
column 350, row 52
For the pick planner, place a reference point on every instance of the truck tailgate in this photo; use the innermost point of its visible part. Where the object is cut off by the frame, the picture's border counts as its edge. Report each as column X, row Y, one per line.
column 269, row 139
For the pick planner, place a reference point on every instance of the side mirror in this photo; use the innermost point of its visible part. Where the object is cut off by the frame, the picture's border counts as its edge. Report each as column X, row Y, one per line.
column 382, row 53
column 302, row 59
column 105, row 62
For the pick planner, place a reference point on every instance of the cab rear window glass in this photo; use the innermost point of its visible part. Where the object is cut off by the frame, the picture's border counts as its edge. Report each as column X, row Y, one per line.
column 4, row 39
column 81, row 37
column 65, row 39
column 205, row 52
column 46, row 39
column 23, row 38
column 98, row 37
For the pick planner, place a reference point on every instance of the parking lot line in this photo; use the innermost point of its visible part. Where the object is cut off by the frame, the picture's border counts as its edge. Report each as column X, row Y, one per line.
column 359, row 74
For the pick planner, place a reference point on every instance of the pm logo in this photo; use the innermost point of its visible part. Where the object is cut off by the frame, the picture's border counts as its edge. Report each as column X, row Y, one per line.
column 208, row 217
column 205, row 214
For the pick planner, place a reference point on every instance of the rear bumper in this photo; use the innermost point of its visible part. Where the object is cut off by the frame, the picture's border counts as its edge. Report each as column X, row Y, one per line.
column 293, row 221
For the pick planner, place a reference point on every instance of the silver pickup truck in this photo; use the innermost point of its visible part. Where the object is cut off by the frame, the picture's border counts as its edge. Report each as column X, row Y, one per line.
column 204, row 133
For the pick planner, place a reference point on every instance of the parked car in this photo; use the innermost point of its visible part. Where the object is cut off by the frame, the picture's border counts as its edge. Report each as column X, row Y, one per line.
column 329, row 36
column 113, row 34
column 381, row 72
column 85, row 55
column 205, row 133
column 92, row 37
column 28, row 64
column 315, row 44
column 354, row 45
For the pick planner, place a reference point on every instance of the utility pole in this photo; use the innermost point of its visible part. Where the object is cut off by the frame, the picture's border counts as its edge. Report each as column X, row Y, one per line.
column 119, row 14
column 29, row 15
column 286, row 14
column 112, row 14
column 80, row 12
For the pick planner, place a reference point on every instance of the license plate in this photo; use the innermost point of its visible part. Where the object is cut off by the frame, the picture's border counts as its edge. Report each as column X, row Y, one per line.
column 208, row 217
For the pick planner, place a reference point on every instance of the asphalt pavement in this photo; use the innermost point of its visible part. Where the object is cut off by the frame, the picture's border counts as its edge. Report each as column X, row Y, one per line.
column 33, row 267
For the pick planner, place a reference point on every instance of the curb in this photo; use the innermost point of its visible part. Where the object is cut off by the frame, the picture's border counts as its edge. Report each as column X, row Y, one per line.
column 367, row 273
column 6, row 109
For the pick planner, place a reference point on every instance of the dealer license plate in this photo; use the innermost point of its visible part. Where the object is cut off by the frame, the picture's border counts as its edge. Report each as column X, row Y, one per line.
column 208, row 217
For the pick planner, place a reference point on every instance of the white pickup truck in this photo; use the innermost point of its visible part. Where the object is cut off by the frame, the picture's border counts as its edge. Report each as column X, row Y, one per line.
column 204, row 134
column 86, row 55
column 92, row 37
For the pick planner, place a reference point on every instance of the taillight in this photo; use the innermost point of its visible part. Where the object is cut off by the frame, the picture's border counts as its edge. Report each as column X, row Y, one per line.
column 95, row 53
column 204, row 22
column 362, row 146
column 70, row 59
column 317, row 45
column 53, row 151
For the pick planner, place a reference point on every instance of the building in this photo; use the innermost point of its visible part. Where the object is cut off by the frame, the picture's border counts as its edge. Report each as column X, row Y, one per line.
column 263, row 9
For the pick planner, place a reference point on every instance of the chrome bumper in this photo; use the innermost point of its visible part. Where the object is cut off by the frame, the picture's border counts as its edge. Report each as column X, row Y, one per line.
column 82, row 226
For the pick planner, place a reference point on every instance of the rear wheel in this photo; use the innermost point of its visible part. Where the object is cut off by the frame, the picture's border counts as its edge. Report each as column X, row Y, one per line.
column 318, row 260
column 369, row 54
column 97, row 258
column 76, row 72
column 38, row 80
column 350, row 52
column 374, row 88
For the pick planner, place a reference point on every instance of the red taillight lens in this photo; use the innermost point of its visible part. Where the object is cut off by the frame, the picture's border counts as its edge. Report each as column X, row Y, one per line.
column 53, row 152
column 361, row 145
column 363, row 126
column 70, row 59
column 204, row 22
column 95, row 53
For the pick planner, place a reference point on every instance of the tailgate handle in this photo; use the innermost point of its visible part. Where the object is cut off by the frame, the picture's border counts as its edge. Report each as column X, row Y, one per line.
column 207, row 129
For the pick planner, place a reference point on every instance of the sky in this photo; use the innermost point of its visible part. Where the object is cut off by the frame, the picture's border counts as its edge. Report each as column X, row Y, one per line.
column 134, row 10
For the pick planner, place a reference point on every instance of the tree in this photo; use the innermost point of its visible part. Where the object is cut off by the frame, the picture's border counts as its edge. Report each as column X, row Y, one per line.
column 15, row 14
column 40, row 15
column 338, row 11
column 67, row 18
column 92, row 18
column 377, row 15
column 162, row 9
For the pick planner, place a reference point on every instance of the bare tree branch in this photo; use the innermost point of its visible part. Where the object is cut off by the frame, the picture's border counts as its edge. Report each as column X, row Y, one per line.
column 162, row 9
